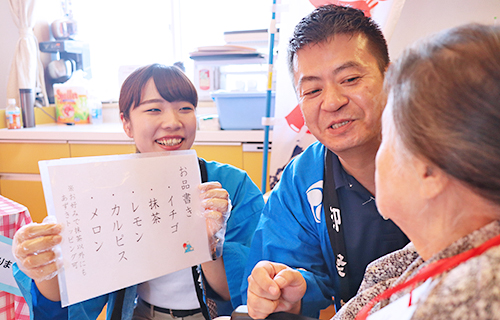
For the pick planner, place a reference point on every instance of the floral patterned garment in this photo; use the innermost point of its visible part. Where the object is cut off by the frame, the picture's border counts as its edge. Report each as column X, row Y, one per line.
column 469, row 291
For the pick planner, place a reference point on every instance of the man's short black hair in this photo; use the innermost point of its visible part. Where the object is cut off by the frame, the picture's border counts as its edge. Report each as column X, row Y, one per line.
column 327, row 21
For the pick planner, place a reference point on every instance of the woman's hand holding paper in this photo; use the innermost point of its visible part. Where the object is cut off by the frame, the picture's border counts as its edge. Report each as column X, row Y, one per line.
column 34, row 247
column 216, row 208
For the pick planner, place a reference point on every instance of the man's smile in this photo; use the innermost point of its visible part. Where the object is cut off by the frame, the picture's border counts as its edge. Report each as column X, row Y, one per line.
column 340, row 124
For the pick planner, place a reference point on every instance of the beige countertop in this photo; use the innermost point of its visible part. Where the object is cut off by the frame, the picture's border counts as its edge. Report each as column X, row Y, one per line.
column 113, row 133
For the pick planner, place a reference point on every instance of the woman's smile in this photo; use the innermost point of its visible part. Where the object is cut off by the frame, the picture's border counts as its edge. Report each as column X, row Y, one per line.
column 169, row 142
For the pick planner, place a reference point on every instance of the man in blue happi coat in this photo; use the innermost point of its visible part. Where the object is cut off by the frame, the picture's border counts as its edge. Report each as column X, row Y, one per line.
column 320, row 227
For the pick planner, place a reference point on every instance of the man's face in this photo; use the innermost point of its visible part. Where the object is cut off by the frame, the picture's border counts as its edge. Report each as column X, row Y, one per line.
column 339, row 86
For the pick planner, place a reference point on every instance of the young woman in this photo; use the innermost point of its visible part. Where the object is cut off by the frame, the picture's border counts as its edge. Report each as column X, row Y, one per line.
column 157, row 108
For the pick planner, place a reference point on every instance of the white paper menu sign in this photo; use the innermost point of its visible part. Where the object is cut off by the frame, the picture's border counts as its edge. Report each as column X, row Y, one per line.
column 127, row 219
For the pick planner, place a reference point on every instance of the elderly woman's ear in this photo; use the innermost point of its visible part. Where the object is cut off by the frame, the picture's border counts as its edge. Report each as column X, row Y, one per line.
column 433, row 180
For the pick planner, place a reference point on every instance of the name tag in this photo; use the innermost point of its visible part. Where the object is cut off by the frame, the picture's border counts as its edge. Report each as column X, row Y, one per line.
column 7, row 281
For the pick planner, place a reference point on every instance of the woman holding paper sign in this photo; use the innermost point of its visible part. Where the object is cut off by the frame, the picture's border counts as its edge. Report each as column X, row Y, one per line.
column 157, row 106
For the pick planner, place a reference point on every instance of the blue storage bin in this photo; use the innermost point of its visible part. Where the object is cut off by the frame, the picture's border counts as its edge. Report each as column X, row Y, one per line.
column 242, row 110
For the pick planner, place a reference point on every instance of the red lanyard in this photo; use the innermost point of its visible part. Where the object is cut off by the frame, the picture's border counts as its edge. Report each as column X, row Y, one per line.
column 430, row 271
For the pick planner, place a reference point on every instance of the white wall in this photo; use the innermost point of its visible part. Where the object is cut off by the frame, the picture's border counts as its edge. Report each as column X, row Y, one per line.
column 418, row 19
column 8, row 40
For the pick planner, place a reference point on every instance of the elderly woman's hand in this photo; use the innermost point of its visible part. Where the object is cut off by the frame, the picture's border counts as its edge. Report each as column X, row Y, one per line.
column 34, row 248
column 216, row 207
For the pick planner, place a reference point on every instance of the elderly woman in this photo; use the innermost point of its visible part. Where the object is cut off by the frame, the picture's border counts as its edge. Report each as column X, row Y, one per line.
column 438, row 179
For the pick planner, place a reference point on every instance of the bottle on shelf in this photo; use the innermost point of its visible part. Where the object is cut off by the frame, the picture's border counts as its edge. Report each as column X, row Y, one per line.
column 13, row 115
column 95, row 110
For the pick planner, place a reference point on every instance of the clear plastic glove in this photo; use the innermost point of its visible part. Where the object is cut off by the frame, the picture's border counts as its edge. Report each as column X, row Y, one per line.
column 216, row 208
column 35, row 248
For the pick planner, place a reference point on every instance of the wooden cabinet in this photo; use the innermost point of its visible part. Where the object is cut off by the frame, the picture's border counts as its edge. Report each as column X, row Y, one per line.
column 20, row 179
column 246, row 156
column 88, row 149
column 26, row 192
column 19, row 174
column 226, row 153
column 22, row 157
column 253, row 162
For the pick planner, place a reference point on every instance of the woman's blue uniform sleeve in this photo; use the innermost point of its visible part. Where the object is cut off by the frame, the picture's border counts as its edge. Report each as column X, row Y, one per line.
column 42, row 308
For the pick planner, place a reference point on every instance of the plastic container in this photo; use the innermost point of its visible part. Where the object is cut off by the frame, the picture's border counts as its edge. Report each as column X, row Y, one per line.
column 208, row 122
column 242, row 110
column 71, row 104
column 12, row 115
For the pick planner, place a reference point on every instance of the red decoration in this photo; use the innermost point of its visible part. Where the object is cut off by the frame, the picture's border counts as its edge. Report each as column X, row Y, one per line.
column 365, row 5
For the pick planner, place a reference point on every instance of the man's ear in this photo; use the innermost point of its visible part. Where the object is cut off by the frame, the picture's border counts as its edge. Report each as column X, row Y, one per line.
column 433, row 180
column 127, row 126
column 387, row 67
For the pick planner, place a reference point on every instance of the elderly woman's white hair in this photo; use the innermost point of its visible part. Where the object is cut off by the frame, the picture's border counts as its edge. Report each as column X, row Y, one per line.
column 458, row 74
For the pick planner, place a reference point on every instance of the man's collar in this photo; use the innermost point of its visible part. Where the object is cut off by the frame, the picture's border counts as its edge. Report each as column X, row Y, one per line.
column 339, row 174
